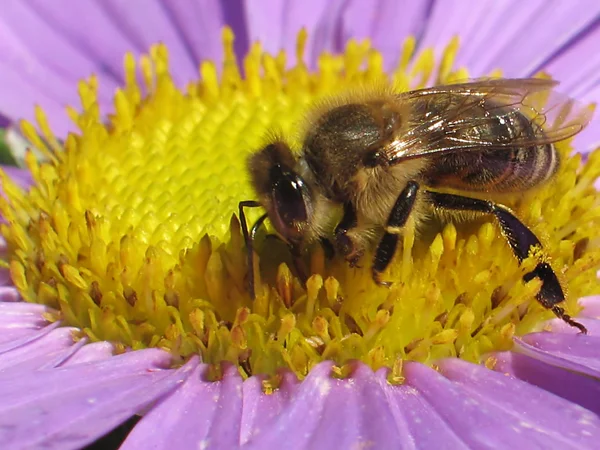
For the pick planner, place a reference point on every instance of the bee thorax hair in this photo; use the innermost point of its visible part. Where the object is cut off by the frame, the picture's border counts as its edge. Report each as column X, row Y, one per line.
column 377, row 189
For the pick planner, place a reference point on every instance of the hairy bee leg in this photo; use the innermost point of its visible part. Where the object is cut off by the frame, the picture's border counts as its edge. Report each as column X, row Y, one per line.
column 521, row 240
column 389, row 242
column 343, row 241
column 249, row 240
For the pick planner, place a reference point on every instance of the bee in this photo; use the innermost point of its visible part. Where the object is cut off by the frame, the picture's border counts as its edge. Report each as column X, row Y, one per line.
column 371, row 161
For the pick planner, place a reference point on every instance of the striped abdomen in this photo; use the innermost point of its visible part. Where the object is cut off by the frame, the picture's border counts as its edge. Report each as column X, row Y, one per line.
column 502, row 169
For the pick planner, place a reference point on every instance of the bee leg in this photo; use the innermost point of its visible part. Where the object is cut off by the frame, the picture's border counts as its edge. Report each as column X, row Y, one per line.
column 328, row 247
column 249, row 240
column 521, row 240
column 343, row 241
column 274, row 237
column 396, row 221
column 296, row 253
column 299, row 265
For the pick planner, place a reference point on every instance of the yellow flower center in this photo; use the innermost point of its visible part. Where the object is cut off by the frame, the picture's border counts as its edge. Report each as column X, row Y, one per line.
column 129, row 231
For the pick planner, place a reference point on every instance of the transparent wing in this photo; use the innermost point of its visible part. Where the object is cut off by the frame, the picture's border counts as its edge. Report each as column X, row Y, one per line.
column 486, row 114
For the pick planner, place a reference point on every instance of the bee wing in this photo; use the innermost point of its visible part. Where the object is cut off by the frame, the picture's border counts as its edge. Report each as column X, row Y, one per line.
column 466, row 117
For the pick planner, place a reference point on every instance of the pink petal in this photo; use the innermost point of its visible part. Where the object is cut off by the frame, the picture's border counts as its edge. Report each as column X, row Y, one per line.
column 199, row 414
column 591, row 306
column 578, row 352
column 487, row 408
column 21, row 334
column 576, row 388
column 72, row 406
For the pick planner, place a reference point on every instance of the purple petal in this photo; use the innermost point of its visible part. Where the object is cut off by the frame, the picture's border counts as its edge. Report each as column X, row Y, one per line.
column 72, row 406
column 571, row 386
column 591, row 306
column 573, row 352
column 199, row 414
column 534, row 33
column 45, row 48
column 560, row 326
column 37, row 66
column 394, row 21
column 96, row 351
column 8, row 293
column 583, row 55
column 329, row 413
column 589, row 139
column 18, row 311
column 499, row 24
column 473, row 407
column 327, row 32
column 322, row 413
column 455, row 18
column 49, row 350
column 517, row 37
column 410, row 407
column 487, row 408
column 386, row 23
column 591, row 96
column 260, row 411
column 88, row 29
column 200, row 23
column 22, row 323
column 21, row 177
column 46, row 45
column 265, row 23
column 149, row 28
column 20, row 92
column 28, row 342
column 307, row 14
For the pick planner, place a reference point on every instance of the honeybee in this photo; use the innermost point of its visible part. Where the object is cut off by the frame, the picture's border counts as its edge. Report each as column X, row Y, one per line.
column 444, row 151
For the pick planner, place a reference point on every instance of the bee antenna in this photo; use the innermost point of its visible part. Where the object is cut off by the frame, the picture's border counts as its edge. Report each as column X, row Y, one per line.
column 249, row 236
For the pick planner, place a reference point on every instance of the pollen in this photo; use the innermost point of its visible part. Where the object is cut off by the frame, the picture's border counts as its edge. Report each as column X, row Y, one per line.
column 130, row 230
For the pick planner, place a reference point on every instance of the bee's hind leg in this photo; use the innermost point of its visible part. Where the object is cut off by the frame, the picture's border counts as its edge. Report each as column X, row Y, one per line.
column 389, row 242
column 521, row 240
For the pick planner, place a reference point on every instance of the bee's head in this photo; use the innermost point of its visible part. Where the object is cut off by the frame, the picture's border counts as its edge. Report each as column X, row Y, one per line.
column 282, row 191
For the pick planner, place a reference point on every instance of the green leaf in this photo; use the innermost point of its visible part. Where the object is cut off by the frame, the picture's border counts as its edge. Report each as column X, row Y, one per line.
column 6, row 157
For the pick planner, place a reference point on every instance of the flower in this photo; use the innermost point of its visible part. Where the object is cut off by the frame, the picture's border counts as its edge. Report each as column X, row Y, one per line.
column 107, row 246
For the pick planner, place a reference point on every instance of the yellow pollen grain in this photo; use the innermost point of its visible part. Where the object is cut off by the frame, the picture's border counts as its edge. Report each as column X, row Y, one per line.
column 129, row 230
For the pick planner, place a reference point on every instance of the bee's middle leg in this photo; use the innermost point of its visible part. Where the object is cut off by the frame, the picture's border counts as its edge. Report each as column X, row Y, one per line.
column 389, row 242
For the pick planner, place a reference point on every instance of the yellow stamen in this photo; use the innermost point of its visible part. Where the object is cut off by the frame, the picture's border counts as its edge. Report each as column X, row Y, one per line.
column 128, row 230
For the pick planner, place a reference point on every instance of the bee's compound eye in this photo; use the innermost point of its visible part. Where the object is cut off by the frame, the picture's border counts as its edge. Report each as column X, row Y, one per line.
column 290, row 200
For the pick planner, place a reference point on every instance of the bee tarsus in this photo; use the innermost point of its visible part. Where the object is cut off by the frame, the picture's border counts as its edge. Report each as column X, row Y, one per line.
column 522, row 241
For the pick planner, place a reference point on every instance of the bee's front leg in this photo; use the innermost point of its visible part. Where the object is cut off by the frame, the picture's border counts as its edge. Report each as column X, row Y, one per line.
column 345, row 242
column 249, row 236
column 393, row 228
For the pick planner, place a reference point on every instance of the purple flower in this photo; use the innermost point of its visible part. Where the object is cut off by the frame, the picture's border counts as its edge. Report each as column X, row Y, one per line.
column 63, row 386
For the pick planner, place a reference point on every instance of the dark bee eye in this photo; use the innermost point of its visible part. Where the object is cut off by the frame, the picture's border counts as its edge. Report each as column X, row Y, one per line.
column 290, row 197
